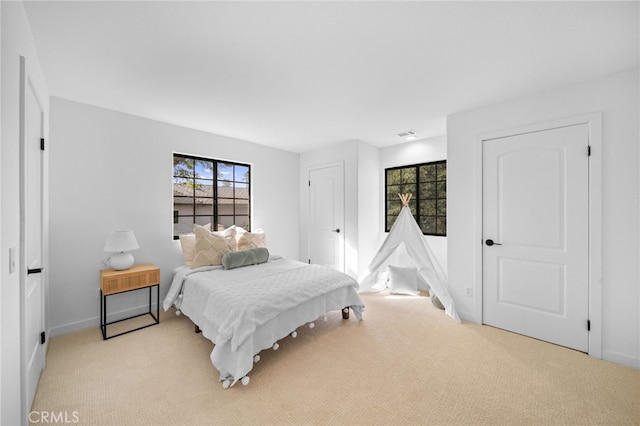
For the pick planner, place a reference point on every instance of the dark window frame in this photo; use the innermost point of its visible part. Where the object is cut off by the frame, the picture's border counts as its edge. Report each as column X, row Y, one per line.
column 217, row 181
column 429, row 201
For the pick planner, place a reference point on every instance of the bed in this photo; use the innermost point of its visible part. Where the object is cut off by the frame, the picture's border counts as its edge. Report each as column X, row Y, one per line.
column 248, row 309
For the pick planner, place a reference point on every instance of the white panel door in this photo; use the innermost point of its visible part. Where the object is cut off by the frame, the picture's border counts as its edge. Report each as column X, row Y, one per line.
column 536, row 234
column 32, row 293
column 326, row 216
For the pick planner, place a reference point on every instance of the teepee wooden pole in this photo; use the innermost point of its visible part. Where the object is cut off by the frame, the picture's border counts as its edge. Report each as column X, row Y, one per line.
column 405, row 199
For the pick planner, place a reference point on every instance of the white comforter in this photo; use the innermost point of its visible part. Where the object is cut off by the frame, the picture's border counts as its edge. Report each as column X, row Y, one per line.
column 245, row 310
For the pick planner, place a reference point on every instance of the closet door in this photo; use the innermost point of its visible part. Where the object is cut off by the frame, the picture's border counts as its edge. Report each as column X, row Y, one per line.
column 32, row 291
column 536, row 234
column 326, row 216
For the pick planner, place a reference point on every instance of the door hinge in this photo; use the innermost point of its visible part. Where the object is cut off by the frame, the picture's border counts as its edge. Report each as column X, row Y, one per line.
column 43, row 338
column 42, row 144
column 588, row 325
column 589, row 150
column 309, row 260
column 309, row 182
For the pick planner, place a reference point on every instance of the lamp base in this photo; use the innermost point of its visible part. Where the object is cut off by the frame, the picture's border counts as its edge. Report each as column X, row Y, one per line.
column 121, row 261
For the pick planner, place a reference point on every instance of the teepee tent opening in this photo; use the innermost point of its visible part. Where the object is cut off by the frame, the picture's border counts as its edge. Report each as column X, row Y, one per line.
column 406, row 244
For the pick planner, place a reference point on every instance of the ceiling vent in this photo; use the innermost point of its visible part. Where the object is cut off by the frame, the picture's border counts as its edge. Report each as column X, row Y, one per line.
column 409, row 135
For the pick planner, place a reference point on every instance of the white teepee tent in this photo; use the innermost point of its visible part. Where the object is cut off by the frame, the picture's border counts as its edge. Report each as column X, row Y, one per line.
column 405, row 233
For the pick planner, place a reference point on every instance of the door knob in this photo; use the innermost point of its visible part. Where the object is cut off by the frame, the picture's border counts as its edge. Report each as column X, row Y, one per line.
column 337, row 230
column 491, row 243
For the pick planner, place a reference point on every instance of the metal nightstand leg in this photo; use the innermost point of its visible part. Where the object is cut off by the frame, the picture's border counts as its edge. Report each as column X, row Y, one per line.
column 103, row 313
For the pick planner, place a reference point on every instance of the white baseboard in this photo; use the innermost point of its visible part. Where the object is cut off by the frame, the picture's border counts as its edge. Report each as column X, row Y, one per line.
column 468, row 317
column 95, row 321
column 615, row 357
column 75, row 326
column 622, row 359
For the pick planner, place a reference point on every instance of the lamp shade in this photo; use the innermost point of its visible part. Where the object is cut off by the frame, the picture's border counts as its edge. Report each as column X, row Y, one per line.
column 119, row 241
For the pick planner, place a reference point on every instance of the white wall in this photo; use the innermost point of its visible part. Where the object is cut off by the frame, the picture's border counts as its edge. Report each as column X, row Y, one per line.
column 364, row 188
column 423, row 151
column 111, row 171
column 347, row 154
column 618, row 99
column 360, row 161
column 370, row 193
column 16, row 41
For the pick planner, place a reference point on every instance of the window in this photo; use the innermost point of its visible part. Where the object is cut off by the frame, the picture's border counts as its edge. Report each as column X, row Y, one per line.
column 211, row 193
column 428, row 184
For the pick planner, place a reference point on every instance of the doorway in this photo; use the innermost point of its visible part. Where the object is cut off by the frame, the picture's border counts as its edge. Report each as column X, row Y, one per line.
column 32, row 291
column 538, row 230
column 326, row 215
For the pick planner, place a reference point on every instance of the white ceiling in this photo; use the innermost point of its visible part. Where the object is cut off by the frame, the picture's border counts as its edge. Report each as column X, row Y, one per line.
column 304, row 75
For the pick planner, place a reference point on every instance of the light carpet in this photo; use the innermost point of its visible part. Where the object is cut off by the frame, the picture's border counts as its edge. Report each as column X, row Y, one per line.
column 405, row 364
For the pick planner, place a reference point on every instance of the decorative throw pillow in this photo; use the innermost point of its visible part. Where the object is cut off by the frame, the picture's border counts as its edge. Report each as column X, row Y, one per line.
column 436, row 302
column 236, row 259
column 228, row 234
column 239, row 231
column 209, row 248
column 403, row 280
column 248, row 240
column 188, row 244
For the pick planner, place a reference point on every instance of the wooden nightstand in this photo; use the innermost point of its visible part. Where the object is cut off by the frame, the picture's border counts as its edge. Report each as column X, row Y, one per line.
column 137, row 277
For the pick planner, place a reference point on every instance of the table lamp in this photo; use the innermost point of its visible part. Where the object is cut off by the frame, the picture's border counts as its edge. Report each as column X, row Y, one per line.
column 118, row 243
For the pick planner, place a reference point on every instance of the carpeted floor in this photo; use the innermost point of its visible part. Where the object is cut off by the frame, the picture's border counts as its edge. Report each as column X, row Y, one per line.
column 405, row 364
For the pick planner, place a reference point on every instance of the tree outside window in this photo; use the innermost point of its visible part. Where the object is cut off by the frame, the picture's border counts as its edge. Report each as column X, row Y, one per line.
column 211, row 193
column 428, row 184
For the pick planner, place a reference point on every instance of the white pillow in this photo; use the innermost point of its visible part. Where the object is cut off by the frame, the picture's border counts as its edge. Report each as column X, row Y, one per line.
column 403, row 280
column 188, row 244
column 248, row 240
column 239, row 231
column 209, row 248
column 229, row 234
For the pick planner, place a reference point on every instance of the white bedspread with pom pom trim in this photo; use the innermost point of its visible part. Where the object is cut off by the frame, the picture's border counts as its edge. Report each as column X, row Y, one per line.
column 245, row 310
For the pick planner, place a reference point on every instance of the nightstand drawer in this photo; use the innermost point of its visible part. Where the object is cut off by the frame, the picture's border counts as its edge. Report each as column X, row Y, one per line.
column 138, row 276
